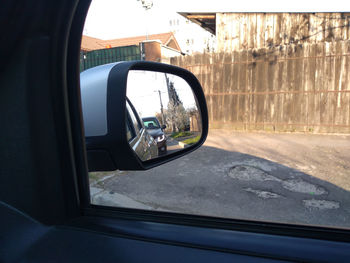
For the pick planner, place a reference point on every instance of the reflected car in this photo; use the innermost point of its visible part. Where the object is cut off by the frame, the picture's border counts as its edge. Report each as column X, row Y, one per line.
column 157, row 132
column 139, row 139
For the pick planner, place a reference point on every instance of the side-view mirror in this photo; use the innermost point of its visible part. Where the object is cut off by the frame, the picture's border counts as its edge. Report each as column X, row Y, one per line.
column 138, row 115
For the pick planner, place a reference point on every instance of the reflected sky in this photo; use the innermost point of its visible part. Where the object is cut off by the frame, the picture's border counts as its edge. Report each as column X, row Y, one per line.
column 144, row 87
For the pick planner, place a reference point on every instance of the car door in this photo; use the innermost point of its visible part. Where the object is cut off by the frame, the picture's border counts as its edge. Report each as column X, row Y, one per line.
column 46, row 214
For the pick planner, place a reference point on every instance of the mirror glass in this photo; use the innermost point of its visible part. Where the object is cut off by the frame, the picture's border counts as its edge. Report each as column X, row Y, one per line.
column 162, row 114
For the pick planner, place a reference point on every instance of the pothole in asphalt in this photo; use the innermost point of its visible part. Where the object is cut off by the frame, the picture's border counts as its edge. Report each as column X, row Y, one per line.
column 263, row 194
column 301, row 186
column 250, row 173
column 321, row 204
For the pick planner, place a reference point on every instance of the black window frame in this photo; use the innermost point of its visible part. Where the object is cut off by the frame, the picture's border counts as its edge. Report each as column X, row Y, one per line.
column 56, row 208
column 87, row 209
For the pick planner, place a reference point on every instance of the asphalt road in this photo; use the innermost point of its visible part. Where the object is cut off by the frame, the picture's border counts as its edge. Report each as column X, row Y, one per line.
column 290, row 178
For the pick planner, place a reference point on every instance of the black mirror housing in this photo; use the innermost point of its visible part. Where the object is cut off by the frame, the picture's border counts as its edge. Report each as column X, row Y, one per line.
column 103, row 92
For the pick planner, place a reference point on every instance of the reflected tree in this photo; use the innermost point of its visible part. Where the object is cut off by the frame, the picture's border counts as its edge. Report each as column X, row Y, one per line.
column 176, row 114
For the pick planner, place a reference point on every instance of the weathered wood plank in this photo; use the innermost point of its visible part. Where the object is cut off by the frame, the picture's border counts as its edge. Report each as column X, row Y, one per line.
column 299, row 98
column 249, row 89
column 325, row 103
column 251, row 33
column 283, row 88
column 309, row 84
column 233, row 85
column 319, row 74
column 242, row 114
column 346, row 87
column 288, row 105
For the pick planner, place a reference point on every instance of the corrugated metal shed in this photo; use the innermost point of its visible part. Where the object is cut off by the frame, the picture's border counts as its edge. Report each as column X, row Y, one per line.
column 104, row 56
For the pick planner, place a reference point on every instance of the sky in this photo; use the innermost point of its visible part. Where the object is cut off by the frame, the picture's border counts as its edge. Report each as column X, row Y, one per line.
column 107, row 19
column 146, row 100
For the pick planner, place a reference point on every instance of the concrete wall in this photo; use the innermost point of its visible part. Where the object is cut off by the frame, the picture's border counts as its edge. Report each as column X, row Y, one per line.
column 303, row 87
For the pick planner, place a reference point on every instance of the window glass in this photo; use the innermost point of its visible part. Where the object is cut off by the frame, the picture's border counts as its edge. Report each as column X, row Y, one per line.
column 277, row 87
column 136, row 123
column 152, row 124
column 130, row 132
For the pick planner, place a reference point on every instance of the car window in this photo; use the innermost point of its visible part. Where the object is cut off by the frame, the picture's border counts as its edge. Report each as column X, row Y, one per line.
column 130, row 130
column 277, row 87
column 135, row 120
column 151, row 124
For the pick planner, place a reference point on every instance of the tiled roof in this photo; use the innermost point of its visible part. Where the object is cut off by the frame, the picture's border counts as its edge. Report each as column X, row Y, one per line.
column 164, row 38
column 90, row 43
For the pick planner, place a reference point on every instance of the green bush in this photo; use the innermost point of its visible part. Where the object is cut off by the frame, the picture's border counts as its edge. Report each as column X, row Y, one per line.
column 192, row 140
column 180, row 134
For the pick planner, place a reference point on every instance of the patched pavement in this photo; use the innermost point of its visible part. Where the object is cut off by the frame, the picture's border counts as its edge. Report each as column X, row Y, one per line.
column 291, row 178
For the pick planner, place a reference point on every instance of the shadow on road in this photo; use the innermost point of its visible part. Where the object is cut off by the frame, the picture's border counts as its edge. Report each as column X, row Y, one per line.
column 220, row 183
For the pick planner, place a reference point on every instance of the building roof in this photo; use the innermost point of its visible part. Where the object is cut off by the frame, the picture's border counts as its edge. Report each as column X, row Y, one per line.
column 90, row 43
column 166, row 39
column 205, row 20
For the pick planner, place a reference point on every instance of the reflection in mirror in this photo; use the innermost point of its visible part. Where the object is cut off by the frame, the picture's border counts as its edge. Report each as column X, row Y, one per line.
column 163, row 115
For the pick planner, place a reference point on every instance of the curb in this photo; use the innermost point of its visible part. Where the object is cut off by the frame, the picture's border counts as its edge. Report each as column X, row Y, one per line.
column 100, row 196
column 183, row 145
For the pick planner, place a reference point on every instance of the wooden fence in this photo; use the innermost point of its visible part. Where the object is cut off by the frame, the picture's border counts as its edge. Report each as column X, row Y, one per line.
column 303, row 87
